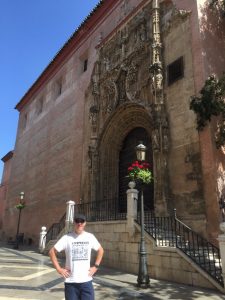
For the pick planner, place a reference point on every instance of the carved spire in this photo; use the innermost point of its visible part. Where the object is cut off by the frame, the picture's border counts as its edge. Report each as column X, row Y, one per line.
column 156, row 67
column 160, row 133
column 94, row 108
column 156, row 35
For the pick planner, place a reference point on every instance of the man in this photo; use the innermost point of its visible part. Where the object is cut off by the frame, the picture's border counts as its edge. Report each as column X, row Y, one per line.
column 77, row 271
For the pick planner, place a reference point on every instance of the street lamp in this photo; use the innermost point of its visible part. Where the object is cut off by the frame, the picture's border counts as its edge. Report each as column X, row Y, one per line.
column 143, row 278
column 19, row 206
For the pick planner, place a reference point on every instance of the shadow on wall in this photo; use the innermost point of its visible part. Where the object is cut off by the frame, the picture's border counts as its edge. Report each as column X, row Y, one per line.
column 212, row 28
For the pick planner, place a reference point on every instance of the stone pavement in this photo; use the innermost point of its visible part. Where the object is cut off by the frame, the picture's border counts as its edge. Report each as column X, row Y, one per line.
column 26, row 274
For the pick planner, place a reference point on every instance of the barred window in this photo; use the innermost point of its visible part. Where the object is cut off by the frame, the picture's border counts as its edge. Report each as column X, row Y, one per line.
column 175, row 70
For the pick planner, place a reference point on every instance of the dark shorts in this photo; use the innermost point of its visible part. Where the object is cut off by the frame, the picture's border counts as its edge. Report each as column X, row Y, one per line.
column 79, row 291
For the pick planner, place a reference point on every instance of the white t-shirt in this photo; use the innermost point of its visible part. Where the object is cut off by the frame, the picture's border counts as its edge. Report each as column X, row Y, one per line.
column 78, row 254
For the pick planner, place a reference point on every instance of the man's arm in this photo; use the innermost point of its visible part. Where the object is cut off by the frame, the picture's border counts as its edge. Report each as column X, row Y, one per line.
column 98, row 260
column 99, row 256
column 63, row 272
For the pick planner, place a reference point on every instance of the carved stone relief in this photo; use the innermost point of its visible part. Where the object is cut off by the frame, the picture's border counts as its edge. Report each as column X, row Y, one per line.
column 95, row 79
column 121, row 86
column 221, row 183
column 155, row 140
column 93, row 115
column 121, row 78
column 108, row 96
column 131, row 82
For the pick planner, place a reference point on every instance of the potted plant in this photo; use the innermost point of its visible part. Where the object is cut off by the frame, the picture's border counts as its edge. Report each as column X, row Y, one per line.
column 20, row 205
column 139, row 172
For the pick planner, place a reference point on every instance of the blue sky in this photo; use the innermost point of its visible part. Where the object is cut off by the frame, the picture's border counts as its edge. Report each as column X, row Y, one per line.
column 31, row 33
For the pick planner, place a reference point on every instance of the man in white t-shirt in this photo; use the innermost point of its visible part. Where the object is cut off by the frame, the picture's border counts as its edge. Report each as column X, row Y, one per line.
column 77, row 271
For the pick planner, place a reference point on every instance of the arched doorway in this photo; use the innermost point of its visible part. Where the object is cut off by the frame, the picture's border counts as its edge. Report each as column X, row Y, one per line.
column 108, row 180
column 126, row 157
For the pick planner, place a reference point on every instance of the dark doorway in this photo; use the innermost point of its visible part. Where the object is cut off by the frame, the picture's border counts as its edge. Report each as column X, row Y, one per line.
column 126, row 157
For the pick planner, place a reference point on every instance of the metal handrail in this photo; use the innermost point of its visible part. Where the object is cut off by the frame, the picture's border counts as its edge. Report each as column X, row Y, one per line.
column 167, row 231
column 201, row 251
column 106, row 210
column 175, row 216
column 170, row 231
column 55, row 229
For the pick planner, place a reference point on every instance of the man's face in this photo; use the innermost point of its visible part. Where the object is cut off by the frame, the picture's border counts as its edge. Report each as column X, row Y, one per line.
column 79, row 225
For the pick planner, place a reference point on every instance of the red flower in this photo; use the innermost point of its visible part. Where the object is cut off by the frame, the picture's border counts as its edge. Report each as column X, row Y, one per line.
column 139, row 170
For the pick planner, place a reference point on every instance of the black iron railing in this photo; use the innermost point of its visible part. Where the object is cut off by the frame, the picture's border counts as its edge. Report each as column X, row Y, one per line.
column 55, row 229
column 202, row 252
column 167, row 231
column 170, row 231
column 107, row 210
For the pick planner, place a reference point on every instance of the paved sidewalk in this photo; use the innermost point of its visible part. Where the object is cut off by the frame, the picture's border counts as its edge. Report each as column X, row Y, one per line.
column 26, row 274
column 124, row 286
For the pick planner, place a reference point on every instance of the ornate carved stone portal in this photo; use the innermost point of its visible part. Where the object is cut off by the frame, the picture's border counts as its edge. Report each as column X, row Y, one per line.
column 126, row 93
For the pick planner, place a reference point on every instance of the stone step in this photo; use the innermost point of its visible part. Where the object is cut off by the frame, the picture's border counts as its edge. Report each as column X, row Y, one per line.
column 202, row 256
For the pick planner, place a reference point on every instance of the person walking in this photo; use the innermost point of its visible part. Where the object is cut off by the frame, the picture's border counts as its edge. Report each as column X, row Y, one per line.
column 77, row 271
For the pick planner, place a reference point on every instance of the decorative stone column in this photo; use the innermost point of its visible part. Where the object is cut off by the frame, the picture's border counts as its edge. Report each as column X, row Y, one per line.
column 221, row 239
column 132, row 198
column 42, row 240
column 69, row 216
column 160, row 132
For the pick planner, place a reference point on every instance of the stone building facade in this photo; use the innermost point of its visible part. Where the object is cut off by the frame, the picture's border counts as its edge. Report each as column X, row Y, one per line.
column 126, row 74
column 7, row 160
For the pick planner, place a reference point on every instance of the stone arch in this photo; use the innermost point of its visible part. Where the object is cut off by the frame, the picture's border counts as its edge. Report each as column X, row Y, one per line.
column 125, row 119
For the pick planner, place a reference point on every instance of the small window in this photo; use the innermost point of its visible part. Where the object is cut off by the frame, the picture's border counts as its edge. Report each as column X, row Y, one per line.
column 58, row 88
column 175, row 71
column 39, row 106
column 85, row 65
column 83, row 62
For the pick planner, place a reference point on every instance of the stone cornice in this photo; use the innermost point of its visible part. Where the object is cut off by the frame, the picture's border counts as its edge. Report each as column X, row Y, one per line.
column 7, row 157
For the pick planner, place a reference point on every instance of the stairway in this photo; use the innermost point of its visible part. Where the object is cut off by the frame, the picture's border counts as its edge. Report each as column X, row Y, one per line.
column 171, row 232
column 166, row 231
column 49, row 245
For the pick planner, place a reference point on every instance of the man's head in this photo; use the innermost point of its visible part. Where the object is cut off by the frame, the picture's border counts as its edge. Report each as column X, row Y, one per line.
column 80, row 222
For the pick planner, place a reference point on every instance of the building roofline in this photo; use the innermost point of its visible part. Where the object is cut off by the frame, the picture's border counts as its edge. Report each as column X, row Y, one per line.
column 7, row 157
column 89, row 22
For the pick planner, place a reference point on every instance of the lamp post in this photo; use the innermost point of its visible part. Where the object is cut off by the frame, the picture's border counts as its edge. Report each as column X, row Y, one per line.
column 20, row 206
column 143, row 278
